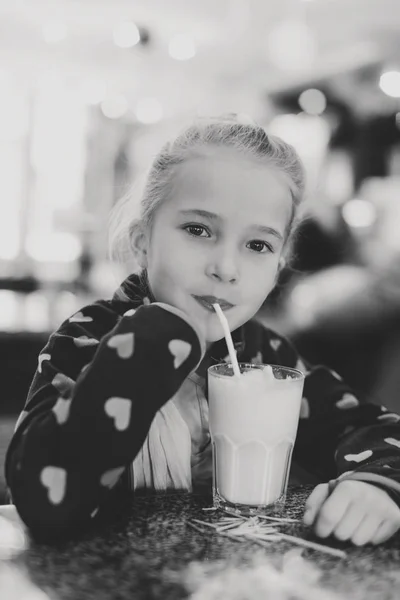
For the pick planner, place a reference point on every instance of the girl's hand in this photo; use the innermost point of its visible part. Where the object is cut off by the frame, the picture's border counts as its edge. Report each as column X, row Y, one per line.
column 356, row 511
column 196, row 323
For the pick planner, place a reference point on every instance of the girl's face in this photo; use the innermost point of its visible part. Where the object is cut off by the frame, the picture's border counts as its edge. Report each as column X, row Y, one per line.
column 220, row 233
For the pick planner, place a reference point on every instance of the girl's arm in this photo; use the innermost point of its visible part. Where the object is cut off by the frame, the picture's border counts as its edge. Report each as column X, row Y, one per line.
column 338, row 435
column 90, row 407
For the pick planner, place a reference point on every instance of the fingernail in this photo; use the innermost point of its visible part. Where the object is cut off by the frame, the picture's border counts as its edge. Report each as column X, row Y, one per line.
column 322, row 532
column 308, row 517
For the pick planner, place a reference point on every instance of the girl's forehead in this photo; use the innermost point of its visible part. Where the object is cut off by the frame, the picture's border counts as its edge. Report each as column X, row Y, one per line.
column 227, row 177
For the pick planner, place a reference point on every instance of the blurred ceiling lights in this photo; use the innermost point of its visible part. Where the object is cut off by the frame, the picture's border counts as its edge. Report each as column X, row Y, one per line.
column 242, row 49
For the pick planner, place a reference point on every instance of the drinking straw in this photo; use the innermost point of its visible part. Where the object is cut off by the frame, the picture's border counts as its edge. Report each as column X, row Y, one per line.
column 313, row 545
column 228, row 338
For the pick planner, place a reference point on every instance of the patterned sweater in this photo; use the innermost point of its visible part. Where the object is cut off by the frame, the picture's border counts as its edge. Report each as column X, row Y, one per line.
column 107, row 371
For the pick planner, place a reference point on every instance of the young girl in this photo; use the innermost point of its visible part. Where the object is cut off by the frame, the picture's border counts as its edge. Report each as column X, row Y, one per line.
column 119, row 397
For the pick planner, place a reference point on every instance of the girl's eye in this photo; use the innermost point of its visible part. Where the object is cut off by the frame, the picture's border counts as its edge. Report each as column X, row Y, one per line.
column 260, row 246
column 196, row 230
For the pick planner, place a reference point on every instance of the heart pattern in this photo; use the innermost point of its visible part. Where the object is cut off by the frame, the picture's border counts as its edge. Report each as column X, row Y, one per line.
column 110, row 478
column 359, row 457
column 42, row 357
column 389, row 418
column 130, row 312
column 304, row 408
column 63, row 384
column 393, row 442
column 335, row 375
column 54, row 479
column 275, row 344
column 180, row 350
column 61, row 410
column 84, row 340
column 257, row 359
column 119, row 409
column 347, row 401
column 79, row 317
column 123, row 343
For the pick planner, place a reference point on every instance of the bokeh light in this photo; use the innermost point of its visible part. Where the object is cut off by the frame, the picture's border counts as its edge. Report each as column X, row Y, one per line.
column 359, row 213
column 182, row 47
column 114, row 107
column 390, row 83
column 291, row 46
column 54, row 32
column 53, row 246
column 312, row 101
column 94, row 91
column 149, row 110
column 126, row 34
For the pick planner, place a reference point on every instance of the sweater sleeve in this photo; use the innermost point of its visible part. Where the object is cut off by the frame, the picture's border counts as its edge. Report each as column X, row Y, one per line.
column 339, row 435
column 90, row 407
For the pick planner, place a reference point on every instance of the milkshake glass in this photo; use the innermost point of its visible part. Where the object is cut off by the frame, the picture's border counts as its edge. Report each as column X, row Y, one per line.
column 253, row 424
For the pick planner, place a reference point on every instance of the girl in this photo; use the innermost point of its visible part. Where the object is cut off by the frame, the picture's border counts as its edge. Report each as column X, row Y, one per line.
column 119, row 397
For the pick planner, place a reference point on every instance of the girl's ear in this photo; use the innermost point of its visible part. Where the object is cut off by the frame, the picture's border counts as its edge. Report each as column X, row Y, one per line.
column 139, row 243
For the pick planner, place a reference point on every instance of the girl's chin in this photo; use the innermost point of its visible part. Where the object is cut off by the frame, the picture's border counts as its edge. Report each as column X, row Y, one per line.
column 212, row 337
column 214, row 331
column 214, row 334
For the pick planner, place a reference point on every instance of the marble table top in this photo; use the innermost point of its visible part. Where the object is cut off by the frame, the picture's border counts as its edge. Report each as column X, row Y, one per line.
column 147, row 550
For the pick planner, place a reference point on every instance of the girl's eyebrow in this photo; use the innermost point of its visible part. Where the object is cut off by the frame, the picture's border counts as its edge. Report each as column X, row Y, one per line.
column 213, row 217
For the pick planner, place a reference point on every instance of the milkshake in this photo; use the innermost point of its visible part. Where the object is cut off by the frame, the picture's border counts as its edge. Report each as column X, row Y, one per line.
column 253, row 424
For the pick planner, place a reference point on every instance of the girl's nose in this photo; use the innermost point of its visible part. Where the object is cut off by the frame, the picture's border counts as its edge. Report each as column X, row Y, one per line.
column 223, row 268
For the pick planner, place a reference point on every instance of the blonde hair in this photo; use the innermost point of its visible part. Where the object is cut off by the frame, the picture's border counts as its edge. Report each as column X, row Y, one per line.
column 230, row 131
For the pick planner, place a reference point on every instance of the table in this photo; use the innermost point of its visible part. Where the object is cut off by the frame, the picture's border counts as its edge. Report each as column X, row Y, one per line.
column 145, row 549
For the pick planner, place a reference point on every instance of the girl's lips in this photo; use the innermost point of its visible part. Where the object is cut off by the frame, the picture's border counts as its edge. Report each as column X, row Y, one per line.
column 207, row 302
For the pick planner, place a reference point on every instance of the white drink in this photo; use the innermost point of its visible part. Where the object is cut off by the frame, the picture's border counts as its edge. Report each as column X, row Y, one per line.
column 253, row 425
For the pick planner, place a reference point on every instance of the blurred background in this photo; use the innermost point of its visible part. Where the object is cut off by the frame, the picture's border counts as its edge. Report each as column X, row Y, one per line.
column 90, row 89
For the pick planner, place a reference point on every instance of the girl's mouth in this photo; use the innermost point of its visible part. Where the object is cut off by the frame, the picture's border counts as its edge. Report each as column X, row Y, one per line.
column 208, row 301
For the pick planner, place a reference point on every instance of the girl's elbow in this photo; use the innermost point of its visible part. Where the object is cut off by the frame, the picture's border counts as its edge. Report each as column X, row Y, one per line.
column 51, row 525
column 45, row 520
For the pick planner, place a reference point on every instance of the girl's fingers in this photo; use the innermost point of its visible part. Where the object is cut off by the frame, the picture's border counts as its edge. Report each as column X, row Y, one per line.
column 332, row 512
column 314, row 503
column 366, row 531
column 385, row 530
column 349, row 522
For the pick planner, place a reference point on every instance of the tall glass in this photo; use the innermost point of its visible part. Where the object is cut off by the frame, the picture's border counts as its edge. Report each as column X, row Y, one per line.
column 253, row 424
